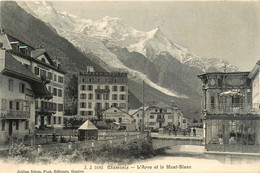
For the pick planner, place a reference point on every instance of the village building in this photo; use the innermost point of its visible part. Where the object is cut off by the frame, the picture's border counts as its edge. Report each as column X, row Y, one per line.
column 122, row 118
column 99, row 91
column 231, row 122
column 158, row 116
column 49, row 110
column 19, row 88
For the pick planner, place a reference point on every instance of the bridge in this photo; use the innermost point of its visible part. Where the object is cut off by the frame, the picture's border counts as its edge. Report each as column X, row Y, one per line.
column 164, row 141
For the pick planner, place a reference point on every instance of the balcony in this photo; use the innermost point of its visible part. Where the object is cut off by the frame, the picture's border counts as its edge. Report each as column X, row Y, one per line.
column 15, row 115
column 43, row 111
column 160, row 120
column 238, row 108
column 102, row 90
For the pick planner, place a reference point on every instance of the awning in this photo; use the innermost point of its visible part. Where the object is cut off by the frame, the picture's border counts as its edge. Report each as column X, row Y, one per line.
column 231, row 94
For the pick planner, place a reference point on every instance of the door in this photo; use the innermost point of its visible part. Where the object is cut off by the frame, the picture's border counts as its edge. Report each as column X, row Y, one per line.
column 10, row 127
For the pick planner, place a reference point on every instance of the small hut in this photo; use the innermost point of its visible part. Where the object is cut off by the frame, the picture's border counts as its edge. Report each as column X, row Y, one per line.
column 87, row 131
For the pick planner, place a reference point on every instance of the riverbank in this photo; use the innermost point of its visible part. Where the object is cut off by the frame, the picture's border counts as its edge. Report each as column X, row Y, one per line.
column 176, row 159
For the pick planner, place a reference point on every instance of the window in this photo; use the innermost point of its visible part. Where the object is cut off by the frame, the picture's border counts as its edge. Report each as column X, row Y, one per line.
column 60, row 107
column 36, row 104
column 122, row 97
column 21, row 87
column 54, row 106
column 107, row 87
column 115, row 80
column 114, row 96
column 17, row 107
column 36, row 71
column 59, row 92
column 36, row 119
column 55, row 91
column 120, row 120
column 54, row 120
column 122, row 105
column 49, row 120
column 43, row 73
column 98, row 80
column 98, row 96
column 50, row 75
column 98, row 106
column 90, row 96
column 83, row 87
column 82, row 80
column 11, row 85
column 60, row 79
column 55, row 77
column 114, row 104
column 11, row 105
column 90, row 79
column 114, row 88
column 90, row 87
column 49, row 89
column 82, row 105
column 82, row 113
column 3, row 125
column 151, row 116
column 83, row 96
column 3, row 105
column 106, row 96
column 212, row 102
column 89, row 105
column 26, row 125
column 59, row 120
column 122, row 88
column 107, row 105
column 17, row 125
column 90, row 113
column 26, row 106
column 43, row 60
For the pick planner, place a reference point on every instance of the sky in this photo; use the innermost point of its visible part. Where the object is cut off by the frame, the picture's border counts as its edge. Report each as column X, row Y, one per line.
column 225, row 30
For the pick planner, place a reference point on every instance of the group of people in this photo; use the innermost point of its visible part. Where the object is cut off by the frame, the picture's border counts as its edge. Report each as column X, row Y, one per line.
column 176, row 129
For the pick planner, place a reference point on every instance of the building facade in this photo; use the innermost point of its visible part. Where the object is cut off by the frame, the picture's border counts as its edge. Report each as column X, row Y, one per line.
column 49, row 110
column 159, row 116
column 231, row 124
column 18, row 90
column 98, row 91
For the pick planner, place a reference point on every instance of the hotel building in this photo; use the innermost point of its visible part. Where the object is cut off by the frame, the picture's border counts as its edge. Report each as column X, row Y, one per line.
column 98, row 91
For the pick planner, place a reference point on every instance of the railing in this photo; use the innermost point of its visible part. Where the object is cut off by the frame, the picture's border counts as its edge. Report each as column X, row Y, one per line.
column 232, row 109
column 160, row 119
column 102, row 90
column 15, row 115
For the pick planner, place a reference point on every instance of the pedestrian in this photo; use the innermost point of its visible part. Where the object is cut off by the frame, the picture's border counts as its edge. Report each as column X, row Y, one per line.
column 194, row 131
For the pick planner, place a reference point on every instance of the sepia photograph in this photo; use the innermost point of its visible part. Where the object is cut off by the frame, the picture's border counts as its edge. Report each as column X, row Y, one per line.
column 129, row 86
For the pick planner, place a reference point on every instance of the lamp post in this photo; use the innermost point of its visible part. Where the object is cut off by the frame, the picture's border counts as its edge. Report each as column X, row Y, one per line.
column 204, row 88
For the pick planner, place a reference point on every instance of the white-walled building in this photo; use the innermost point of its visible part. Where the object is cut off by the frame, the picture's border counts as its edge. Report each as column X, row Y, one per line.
column 98, row 91
column 49, row 110
column 18, row 89
column 158, row 116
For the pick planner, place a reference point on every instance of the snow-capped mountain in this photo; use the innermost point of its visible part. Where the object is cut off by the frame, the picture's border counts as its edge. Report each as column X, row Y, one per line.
column 98, row 37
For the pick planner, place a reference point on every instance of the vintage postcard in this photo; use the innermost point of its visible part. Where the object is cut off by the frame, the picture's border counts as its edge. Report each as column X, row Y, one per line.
column 129, row 86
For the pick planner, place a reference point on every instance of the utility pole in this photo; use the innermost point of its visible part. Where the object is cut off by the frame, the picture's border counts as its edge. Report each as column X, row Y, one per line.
column 142, row 127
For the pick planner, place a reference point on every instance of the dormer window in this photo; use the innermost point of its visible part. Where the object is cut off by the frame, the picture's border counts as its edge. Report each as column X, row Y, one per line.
column 43, row 60
column 23, row 49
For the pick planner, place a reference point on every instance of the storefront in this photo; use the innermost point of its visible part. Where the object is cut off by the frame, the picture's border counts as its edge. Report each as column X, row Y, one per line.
column 236, row 133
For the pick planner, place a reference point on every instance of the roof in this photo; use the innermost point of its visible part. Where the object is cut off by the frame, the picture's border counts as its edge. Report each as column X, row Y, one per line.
column 222, row 73
column 162, row 105
column 88, row 125
column 119, row 110
column 15, row 69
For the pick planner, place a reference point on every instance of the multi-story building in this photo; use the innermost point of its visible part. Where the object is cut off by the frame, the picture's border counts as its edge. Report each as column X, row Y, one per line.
column 158, row 116
column 230, row 122
column 49, row 111
column 98, row 91
column 19, row 88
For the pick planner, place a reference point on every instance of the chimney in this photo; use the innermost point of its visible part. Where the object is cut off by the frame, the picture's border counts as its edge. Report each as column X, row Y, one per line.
column 90, row 69
column 2, row 30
